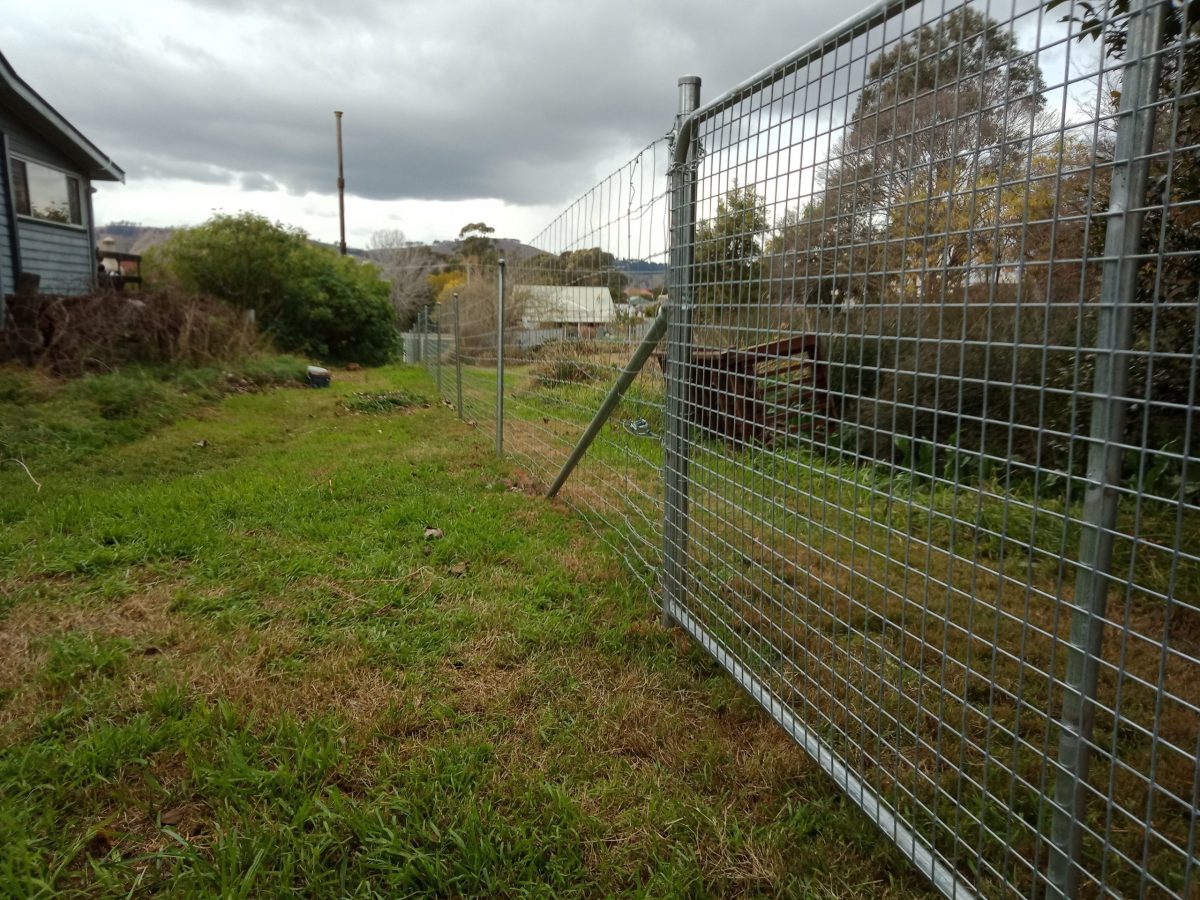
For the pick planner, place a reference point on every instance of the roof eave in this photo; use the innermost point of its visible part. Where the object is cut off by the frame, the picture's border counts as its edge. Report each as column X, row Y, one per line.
column 102, row 168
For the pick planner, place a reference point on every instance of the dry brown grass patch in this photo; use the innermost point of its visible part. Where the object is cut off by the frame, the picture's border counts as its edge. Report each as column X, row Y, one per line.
column 486, row 675
column 143, row 618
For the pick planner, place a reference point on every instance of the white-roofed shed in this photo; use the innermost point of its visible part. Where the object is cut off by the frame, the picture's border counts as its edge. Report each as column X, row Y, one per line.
column 552, row 304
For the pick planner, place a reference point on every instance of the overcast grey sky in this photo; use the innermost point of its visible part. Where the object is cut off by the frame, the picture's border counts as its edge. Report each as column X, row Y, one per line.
column 456, row 111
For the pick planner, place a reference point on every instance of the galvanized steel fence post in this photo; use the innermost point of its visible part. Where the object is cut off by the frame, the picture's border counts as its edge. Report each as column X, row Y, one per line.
column 678, row 360
column 1122, row 246
column 500, row 366
column 438, row 351
column 457, row 356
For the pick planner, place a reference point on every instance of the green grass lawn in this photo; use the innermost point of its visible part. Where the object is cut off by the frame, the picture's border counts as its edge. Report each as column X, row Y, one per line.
column 234, row 663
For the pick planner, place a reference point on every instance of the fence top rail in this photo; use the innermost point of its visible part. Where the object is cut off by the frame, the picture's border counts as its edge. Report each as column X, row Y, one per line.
column 871, row 17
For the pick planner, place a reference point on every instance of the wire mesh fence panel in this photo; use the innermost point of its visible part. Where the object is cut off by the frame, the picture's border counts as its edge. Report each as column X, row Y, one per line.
column 918, row 462
column 942, row 502
column 575, row 311
column 454, row 340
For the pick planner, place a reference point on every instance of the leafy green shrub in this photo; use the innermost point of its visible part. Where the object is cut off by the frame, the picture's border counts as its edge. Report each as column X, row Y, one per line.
column 306, row 298
column 336, row 309
column 244, row 259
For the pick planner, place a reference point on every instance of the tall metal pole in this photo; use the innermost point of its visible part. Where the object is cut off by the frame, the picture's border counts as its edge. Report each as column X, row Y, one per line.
column 438, row 351
column 679, row 340
column 500, row 366
column 337, row 113
column 457, row 355
column 1114, row 337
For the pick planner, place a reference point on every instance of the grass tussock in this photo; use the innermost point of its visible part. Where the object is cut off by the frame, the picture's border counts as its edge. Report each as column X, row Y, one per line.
column 384, row 401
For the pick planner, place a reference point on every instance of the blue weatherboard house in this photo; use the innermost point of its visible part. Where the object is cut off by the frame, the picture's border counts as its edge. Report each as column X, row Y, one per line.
column 46, row 172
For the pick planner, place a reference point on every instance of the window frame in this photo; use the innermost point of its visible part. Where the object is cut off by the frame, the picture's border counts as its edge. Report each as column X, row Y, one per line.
column 69, row 177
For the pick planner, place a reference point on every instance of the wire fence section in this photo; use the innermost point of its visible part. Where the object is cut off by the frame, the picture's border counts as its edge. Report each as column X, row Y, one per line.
column 586, row 300
column 573, row 310
column 918, row 462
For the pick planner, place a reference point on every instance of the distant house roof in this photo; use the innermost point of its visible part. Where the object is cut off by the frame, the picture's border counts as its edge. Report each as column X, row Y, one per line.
column 43, row 118
column 569, row 305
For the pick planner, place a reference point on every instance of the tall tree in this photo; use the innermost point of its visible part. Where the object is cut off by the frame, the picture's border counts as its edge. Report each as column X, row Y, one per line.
column 476, row 244
column 1168, row 287
column 406, row 266
column 945, row 114
column 729, row 249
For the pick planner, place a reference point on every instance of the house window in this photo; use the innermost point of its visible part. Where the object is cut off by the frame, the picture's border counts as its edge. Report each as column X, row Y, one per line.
column 45, row 193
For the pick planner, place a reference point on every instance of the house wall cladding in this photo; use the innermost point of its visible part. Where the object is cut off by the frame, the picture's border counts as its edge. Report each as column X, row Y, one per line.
column 61, row 254
column 8, row 278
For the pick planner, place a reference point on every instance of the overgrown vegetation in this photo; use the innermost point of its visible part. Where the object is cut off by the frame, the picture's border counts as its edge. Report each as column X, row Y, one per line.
column 306, row 298
column 237, row 663
column 103, row 331
column 570, row 362
column 479, row 313
column 950, row 253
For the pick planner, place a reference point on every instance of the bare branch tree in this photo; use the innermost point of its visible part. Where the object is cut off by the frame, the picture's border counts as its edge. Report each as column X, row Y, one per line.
column 406, row 265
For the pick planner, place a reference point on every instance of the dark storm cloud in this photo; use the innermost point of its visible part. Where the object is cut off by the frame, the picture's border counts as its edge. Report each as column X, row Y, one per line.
column 446, row 101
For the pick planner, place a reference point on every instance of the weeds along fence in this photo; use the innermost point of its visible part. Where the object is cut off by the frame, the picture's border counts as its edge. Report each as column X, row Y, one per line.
column 918, row 460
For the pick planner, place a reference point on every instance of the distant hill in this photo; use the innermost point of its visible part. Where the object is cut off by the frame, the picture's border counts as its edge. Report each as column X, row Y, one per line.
column 641, row 266
column 134, row 238
column 643, row 273
column 131, row 237
column 350, row 251
column 510, row 247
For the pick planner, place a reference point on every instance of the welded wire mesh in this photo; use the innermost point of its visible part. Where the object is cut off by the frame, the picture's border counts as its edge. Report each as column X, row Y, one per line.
column 454, row 340
column 578, row 298
column 475, row 342
column 932, row 471
column 581, row 305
